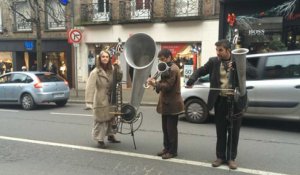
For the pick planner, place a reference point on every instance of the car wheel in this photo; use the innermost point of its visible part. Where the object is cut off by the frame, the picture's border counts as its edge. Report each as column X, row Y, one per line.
column 196, row 111
column 27, row 102
column 61, row 103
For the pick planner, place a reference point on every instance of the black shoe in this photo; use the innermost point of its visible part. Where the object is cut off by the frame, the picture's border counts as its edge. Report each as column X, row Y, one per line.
column 113, row 139
column 101, row 144
column 217, row 163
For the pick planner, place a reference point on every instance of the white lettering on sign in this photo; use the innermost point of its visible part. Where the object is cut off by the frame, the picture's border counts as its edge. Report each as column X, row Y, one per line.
column 253, row 32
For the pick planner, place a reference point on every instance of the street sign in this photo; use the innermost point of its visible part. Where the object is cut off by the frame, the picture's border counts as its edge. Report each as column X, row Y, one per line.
column 64, row 2
column 28, row 45
column 74, row 36
column 188, row 71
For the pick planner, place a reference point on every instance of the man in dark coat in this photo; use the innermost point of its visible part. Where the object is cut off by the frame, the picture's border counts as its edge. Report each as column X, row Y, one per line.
column 220, row 97
column 170, row 103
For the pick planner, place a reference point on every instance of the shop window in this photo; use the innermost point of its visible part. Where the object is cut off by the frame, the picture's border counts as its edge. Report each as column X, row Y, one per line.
column 55, row 15
column 56, row 62
column 260, row 35
column 5, row 62
column 21, row 22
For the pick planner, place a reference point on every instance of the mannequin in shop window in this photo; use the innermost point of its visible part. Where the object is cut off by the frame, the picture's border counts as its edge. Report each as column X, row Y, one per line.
column 53, row 69
column 33, row 67
column 91, row 62
column 1, row 67
column 45, row 67
column 24, row 68
column 63, row 68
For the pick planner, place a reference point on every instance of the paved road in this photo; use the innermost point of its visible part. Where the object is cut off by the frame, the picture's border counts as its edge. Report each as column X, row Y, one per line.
column 55, row 140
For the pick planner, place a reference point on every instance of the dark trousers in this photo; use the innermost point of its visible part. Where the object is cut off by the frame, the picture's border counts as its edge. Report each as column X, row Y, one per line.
column 169, row 127
column 228, row 129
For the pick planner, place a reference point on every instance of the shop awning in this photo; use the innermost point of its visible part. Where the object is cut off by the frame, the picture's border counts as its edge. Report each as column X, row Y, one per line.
column 186, row 52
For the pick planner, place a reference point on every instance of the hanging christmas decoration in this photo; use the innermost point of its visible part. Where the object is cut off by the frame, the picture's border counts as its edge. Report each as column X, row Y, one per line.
column 231, row 18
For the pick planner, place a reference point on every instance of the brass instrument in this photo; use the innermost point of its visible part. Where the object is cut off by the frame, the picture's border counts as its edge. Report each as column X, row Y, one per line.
column 139, row 52
column 161, row 67
column 239, row 58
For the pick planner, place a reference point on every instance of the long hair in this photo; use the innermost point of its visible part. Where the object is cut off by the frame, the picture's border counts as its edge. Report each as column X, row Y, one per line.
column 105, row 67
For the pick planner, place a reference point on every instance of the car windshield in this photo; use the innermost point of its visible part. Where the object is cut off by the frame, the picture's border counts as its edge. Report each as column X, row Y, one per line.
column 46, row 77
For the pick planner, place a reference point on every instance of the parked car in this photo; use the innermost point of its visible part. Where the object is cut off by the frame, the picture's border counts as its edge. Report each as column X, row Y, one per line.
column 273, row 94
column 30, row 89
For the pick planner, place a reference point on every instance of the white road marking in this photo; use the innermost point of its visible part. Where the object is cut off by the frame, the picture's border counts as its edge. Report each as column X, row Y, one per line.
column 181, row 161
column 56, row 113
column 7, row 110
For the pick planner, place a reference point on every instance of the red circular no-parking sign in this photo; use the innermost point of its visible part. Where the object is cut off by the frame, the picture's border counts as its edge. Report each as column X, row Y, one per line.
column 75, row 36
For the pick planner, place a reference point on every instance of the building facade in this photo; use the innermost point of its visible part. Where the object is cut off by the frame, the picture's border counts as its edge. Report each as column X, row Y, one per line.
column 189, row 28
column 263, row 25
column 18, row 37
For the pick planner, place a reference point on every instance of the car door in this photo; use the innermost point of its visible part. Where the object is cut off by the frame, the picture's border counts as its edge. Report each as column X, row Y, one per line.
column 15, row 86
column 4, row 80
column 277, row 92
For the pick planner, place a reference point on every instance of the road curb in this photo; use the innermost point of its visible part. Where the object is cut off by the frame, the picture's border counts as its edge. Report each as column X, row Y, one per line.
column 142, row 104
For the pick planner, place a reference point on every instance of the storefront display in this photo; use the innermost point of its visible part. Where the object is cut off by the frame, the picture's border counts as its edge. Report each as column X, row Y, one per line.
column 184, row 54
column 56, row 62
column 264, row 26
column 5, row 62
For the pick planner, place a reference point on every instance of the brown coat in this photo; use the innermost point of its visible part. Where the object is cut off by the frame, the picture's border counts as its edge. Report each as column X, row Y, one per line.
column 170, row 101
column 98, row 90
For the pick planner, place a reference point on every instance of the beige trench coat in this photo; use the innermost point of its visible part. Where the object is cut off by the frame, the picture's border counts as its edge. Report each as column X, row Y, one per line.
column 97, row 93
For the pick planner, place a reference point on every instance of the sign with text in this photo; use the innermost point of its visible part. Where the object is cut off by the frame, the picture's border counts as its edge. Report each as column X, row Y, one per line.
column 188, row 71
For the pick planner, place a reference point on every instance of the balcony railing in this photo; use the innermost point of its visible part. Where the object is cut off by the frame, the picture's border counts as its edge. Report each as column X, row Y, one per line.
column 56, row 25
column 22, row 26
column 175, row 9
column 135, row 11
column 96, row 12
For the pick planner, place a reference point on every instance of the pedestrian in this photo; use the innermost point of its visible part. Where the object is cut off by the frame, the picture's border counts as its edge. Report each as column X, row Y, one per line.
column 219, row 69
column 97, row 95
column 170, row 103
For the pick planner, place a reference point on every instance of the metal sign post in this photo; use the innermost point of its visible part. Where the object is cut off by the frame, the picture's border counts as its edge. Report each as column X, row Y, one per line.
column 74, row 37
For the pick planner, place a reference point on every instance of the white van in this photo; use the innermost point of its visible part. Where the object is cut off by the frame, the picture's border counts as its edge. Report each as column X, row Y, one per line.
column 275, row 93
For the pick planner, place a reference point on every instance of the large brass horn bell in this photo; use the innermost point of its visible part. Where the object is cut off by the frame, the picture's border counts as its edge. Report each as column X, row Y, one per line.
column 139, row 53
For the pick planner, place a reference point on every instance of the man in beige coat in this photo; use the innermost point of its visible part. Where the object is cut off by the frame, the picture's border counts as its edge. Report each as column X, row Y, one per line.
column 97, row 94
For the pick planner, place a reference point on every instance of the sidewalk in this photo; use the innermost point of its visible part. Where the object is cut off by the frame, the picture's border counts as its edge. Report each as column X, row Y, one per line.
column 150, row 96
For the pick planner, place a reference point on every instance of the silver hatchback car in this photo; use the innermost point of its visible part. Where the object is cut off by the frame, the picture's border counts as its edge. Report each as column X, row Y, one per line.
column 273, row 94
column 29, row 89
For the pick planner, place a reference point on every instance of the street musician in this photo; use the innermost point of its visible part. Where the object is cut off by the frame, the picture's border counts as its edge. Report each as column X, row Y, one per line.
column 170, row 103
